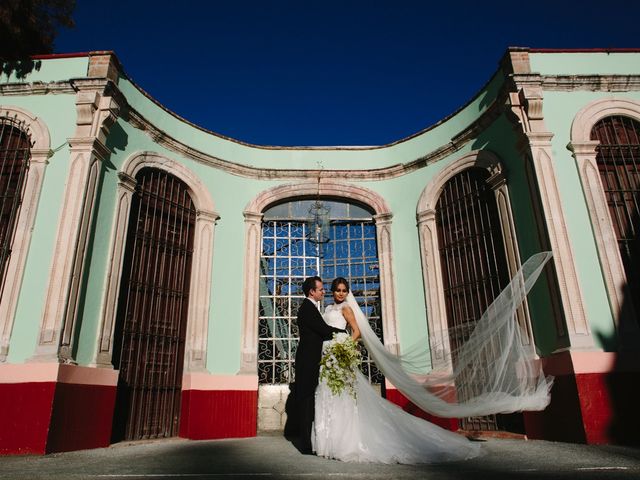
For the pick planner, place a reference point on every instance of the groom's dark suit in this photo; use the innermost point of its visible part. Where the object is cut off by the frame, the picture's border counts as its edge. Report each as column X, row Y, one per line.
column 313, row 331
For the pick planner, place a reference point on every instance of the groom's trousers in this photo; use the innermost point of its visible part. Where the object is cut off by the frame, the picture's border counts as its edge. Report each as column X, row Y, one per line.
column 307, row 414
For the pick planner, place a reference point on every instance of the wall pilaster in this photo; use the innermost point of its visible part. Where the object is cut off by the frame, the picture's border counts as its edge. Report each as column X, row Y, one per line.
column 253, row 236
column 434, row 289
column 199, row 301
column 96, row 112
column 387, row 285
column 526, row 107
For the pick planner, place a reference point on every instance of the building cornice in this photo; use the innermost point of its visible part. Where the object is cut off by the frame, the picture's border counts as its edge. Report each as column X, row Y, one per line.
column 605, row 83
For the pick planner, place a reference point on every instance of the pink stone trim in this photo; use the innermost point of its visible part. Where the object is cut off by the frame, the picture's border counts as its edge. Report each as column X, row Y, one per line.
column 56, row 372
column 595, row 111
column 199, row 193
column 28, row 372
column 581, row 362
column 78, row 375
column 204, row 381
column 328, row 188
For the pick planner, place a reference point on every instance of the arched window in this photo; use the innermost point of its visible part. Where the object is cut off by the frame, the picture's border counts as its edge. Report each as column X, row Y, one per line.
column 618, row 159
column 15, row 152
column 473, row 260
column 288, row 257
column 151, row 322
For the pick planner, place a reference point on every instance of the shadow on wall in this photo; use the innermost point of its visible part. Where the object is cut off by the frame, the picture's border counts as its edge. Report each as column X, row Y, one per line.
column 621, row 383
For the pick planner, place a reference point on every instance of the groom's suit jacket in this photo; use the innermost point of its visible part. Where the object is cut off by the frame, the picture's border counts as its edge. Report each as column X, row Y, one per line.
column 313, row 331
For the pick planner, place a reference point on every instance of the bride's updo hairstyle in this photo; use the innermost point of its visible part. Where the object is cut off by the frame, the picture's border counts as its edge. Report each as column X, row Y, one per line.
column 337, row 281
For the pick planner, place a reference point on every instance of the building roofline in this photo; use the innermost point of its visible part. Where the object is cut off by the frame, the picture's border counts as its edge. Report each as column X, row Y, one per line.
column 584, row 50
column 420, row 132
column 50, row 56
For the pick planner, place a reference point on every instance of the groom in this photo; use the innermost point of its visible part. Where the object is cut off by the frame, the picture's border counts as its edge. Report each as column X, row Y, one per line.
column 313, row 331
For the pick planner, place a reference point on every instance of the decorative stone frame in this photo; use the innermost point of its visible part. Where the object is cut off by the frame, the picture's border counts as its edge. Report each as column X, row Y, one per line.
column 253, row 240
column 199, row 299
column 429, row 248
column 584, row 153
column 40, row 153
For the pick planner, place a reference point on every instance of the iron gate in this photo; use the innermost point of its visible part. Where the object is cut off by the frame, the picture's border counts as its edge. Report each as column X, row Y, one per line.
column 473, row 261
column 152, row 311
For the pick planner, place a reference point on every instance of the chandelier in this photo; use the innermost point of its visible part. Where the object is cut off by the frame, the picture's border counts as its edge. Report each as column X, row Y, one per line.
column 318, row 223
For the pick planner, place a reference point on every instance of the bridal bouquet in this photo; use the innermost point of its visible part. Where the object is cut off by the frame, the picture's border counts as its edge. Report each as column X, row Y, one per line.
column 339, row 363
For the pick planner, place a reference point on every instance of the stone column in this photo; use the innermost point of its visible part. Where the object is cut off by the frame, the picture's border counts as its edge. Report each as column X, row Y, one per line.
column 95, row 114
column 253, row 245
column 433, row 289
column 126, row 188
column 199, row 300
column 387, row 287
column 498, row 183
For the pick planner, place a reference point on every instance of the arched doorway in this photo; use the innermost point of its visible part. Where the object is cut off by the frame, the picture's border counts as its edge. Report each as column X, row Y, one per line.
column 287, row 258
column 474, row 267
column 152, row 308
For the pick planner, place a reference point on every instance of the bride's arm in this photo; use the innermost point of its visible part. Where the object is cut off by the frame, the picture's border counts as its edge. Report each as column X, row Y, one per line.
column 347, row 313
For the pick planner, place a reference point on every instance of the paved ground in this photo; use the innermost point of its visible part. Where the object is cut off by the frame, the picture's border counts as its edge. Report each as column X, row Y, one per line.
column 274, row 457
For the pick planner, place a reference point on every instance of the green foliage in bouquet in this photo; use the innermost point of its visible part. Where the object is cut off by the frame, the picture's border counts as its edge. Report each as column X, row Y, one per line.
column 339, row 363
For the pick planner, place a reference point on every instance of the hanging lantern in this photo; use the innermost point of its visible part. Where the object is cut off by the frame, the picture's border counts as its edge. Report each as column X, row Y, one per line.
column 318, row 223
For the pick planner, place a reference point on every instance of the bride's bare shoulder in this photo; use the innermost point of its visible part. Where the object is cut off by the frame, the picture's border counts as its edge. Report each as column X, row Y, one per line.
column 347, row 309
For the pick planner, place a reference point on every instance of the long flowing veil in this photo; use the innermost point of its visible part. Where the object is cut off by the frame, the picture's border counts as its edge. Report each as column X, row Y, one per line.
column 493, row 371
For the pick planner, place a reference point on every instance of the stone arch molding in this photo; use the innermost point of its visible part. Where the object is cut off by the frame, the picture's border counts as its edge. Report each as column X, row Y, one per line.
column 199, row 299
column 595, row 111
column 429, row 247
column 584, row 153
column 40, row 153
column 253, row 238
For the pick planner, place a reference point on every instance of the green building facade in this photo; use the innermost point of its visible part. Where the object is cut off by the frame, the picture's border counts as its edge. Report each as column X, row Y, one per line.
column 140, row 297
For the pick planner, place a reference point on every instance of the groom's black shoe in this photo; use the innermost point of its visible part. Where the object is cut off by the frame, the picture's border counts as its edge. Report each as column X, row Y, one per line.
column 305, row 449
column 302, row 446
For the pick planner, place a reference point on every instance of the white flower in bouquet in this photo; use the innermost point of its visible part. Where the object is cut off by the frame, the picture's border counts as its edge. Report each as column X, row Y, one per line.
column 339, row 363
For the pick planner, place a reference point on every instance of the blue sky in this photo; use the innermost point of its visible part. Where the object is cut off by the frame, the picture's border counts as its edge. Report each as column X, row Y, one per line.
column 330, row 73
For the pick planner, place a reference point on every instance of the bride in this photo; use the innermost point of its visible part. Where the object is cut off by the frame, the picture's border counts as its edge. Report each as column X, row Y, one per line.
column 497, row 366
column 360, row 426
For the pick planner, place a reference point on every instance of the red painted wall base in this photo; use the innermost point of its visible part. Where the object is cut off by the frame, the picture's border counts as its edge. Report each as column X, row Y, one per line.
column 403, row 402
column 218, row 414
column 82, row 417
column 25, row 415
column 43, row 417
column 46, row 417
column 592, row 408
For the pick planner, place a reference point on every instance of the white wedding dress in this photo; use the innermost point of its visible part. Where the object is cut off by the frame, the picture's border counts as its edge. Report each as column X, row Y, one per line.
column 371, row 429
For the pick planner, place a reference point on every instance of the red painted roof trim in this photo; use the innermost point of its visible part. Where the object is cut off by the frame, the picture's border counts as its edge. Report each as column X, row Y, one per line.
column 584, row 50
column 60, row 55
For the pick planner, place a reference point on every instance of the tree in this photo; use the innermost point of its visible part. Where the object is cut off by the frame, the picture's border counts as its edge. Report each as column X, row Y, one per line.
column 29, row 27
